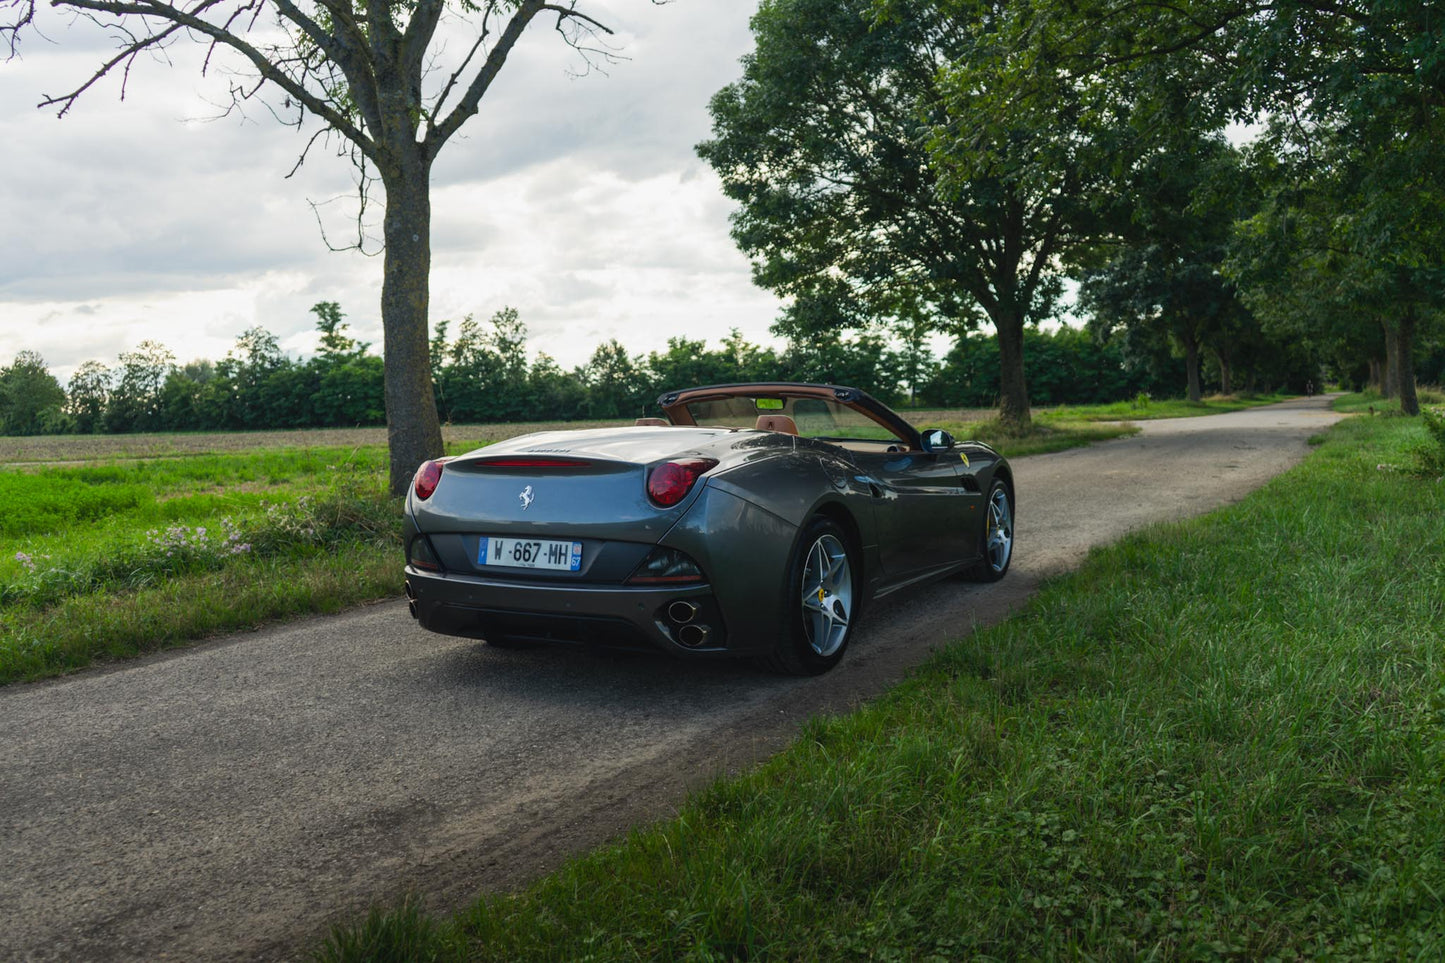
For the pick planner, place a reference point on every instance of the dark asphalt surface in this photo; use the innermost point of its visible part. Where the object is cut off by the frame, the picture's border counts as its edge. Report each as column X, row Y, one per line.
column 231, row 800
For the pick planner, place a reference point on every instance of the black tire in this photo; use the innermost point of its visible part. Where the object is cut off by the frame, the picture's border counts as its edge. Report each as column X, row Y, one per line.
column 996, row 536
column 818, row 627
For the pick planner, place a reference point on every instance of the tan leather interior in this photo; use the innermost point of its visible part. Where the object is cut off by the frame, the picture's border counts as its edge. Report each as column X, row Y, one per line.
column 652, row 423
column 777, row 423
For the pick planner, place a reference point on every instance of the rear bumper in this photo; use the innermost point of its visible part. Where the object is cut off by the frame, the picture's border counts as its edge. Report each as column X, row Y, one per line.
column 611, row 616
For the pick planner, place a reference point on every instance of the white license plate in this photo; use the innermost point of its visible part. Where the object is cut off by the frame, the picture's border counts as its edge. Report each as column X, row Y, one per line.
column 530, row 553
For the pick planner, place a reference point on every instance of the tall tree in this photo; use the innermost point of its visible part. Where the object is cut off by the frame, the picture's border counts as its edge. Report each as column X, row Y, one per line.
column 335, row 345
column 1162, row 271
column 31, row 400
column 88, row 392
column 485, row 378
column 135, row 401
column 1368, row 75
column 616, row 387
column 378, row 76
column 824, row 143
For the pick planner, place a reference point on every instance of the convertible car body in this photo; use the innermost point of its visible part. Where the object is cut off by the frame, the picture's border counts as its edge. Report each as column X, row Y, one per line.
column 753, row 520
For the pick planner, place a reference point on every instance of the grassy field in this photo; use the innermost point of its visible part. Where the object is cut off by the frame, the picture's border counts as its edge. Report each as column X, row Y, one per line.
column 1221, row 739
column 117, row 559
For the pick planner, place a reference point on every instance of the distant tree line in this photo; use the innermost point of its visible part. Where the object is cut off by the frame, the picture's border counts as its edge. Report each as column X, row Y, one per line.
column 483, row 372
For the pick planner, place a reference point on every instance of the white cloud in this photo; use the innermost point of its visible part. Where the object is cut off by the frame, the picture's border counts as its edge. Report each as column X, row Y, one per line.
column 576, row 199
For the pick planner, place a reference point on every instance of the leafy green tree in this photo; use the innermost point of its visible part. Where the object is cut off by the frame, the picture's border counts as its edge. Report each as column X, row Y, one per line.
column 184, row 396
column 862, row 361
column 351, row 393
column 1173, row 224
column 616, row 386
column 1065, row 366
column 247, row 386
column 1356, row 88
column 485, row 375
column 746, row 361
column 386, row 86
column 688, row 363
column 31, row 399
column 335, row 346
column 823, row 143
column 343, row 385
column 135, row 403
column 1217, row 59
column 554, row 393
column 1349, row 241
column 88, row 394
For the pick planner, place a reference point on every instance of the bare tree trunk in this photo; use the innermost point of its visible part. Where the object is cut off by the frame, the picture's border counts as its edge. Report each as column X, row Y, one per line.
column 1377, row 376
column 1191, row 366
column 1226, row 373
column 413, row 432
column 1013, row 404
column 1392, row 358
column 1405, row 362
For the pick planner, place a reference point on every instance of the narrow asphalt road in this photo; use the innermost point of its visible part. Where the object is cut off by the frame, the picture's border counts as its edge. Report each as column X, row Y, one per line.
column 231, row 800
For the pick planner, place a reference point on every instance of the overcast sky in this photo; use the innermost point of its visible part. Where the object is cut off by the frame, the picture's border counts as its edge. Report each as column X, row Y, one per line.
column 577, row 200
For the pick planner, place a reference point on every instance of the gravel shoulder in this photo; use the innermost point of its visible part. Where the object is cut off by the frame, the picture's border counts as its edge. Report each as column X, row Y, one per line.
column 229, row 801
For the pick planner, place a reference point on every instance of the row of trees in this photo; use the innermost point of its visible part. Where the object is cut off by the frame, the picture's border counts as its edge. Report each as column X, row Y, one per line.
column 484, row 372
column 938, row 164
column 481, row 374
column 254, row 386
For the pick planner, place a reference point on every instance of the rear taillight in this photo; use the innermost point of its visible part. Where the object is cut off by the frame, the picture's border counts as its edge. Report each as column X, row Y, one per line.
column 669, row 483
column 428, row 476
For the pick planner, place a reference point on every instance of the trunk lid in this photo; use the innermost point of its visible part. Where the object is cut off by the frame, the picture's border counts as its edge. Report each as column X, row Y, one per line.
column 589, row 484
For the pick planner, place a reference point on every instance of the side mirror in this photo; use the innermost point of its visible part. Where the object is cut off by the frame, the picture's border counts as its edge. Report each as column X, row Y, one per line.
column 936, row 439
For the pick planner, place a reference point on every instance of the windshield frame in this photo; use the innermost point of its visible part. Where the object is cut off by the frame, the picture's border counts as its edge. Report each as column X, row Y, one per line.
column 674, row 404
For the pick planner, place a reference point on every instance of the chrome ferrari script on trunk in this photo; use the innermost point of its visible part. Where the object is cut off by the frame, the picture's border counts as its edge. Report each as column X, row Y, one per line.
column 527, row 498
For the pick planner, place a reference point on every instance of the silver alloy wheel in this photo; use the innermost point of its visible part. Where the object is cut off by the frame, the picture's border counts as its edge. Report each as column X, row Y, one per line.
column 999, row 533
column 827, row 595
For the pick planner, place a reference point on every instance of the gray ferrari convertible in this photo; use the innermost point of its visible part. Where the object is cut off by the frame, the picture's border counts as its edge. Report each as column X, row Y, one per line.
column 755, row 519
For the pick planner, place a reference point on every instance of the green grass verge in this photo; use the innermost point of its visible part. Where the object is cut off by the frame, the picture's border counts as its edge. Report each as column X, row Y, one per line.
column 1144, row 408
column 119, row 559
column 1219, row 739
column 1043, row 436
column 1371, row 401
column 82, row 629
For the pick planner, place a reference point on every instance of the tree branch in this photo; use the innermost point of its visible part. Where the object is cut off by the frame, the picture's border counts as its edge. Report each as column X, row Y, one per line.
column 193, row 20
column 496, row 57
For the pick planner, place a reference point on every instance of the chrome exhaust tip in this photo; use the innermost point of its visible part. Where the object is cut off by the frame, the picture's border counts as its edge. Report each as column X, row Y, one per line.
column 692, row 636
column 681, row 612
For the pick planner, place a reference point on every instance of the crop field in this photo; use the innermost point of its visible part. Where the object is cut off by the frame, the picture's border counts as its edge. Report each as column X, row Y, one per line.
column 80, row 449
